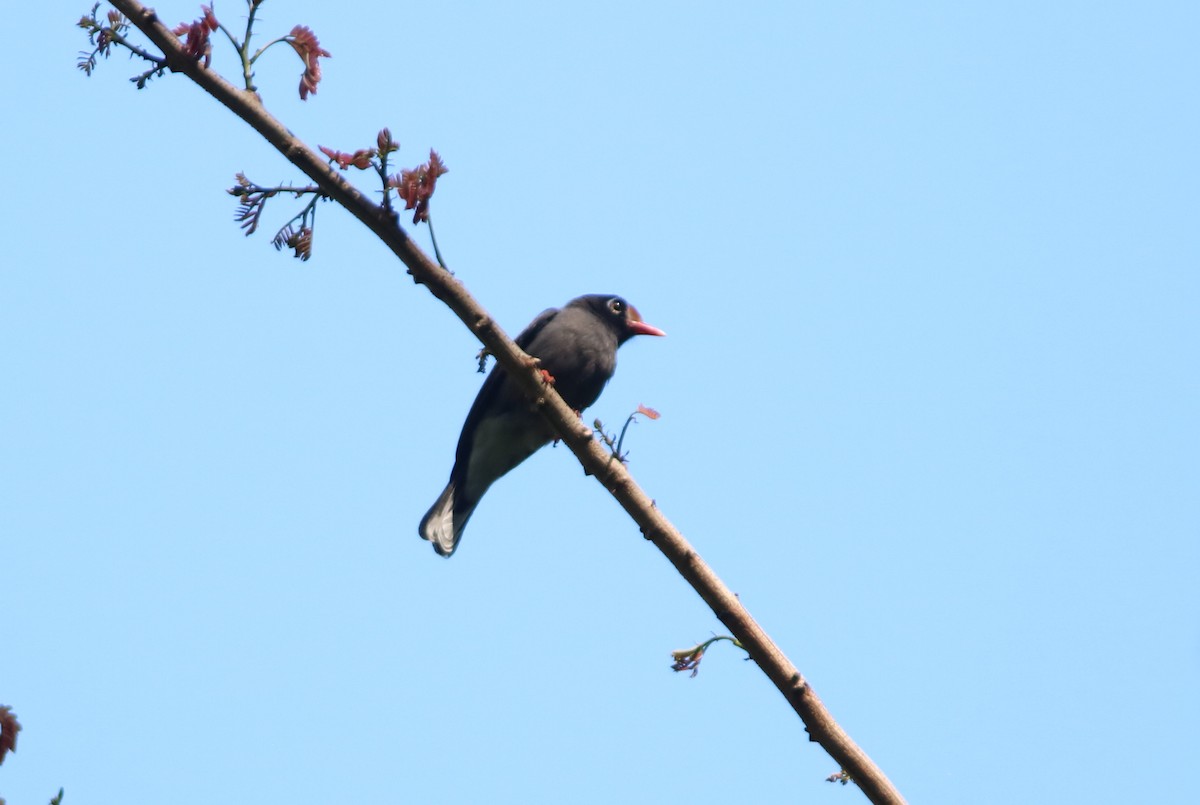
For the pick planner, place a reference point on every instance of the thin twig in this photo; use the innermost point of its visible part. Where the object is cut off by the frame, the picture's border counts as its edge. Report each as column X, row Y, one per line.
column 433, row 239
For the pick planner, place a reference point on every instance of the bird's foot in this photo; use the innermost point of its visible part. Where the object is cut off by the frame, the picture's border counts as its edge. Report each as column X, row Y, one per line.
column 547, row 378
column 482, row 357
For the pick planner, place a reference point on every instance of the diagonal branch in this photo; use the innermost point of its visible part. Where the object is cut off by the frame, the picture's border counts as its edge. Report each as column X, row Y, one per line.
column 595, row 459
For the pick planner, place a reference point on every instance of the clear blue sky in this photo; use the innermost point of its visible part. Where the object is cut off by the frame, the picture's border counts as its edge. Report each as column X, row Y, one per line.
column 930, row 274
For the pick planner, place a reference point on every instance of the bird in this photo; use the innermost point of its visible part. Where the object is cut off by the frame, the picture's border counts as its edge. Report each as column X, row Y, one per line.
column 576, row 346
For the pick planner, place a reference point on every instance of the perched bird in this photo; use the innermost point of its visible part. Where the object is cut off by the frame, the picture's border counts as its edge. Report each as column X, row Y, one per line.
column 577, row 346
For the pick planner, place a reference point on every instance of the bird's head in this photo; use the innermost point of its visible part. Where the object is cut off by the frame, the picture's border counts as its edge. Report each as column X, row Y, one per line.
column 621, row 316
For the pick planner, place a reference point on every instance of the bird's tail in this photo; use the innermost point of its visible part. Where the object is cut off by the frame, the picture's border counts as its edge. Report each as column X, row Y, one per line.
column 442, row 524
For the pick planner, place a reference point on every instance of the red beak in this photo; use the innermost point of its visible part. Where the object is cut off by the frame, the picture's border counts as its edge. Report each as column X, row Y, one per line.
column 639, row 327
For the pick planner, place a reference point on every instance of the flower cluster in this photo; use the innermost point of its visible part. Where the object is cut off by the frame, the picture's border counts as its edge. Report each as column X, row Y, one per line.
column 296, row 234
column 360, row 159
column 305, row 43
column 300, row 240
column 688, row 659
column 648, row 412
column 100, row 36
column 416, row 186
column 252, row 199
column 364, row 158
column 197, row 43
column 8, row 731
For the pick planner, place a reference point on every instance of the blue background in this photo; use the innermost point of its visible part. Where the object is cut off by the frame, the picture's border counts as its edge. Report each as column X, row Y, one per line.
column 930, row 274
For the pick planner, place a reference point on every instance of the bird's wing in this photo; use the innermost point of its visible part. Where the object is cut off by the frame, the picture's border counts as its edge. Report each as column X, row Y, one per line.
column 529, row 333
column 496, row 396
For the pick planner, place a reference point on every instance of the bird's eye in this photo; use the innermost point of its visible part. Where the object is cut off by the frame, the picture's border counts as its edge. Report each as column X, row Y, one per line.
column 617, row 306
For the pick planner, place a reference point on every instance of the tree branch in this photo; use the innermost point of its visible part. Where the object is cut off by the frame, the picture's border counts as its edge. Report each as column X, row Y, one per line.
column 595, row 459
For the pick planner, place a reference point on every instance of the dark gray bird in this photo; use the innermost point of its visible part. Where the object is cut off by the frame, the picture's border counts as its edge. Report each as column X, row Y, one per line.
column 577, row 345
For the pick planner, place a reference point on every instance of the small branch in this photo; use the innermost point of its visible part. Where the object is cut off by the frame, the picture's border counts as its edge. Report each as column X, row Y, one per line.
column 243, row 47
column 232, row 40
column 247, row 75
column 642, row 410
column 265, row 47
column 433, row 239
column 615, row 442
column 297, row 191
column 139, row 52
